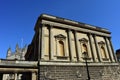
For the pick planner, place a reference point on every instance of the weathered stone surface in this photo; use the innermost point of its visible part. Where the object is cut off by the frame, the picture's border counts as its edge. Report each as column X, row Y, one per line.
column 79, row 72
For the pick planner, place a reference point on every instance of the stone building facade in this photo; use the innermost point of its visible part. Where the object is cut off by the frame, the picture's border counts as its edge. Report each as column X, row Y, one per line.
column 18, row 54
column 62, row 46
column 118, row 54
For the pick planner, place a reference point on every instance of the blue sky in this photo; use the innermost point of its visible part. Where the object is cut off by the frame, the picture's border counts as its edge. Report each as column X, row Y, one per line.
column 18, row 18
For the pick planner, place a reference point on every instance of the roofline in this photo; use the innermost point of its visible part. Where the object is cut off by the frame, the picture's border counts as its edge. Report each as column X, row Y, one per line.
column 72, row 22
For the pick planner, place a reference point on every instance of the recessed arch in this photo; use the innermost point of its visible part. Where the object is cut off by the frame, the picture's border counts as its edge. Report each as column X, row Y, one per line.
column 61, row 48
column 84, row 47
column 103, row 53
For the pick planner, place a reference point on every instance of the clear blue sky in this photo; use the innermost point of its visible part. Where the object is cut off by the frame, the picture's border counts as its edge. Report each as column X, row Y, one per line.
column 18, row 18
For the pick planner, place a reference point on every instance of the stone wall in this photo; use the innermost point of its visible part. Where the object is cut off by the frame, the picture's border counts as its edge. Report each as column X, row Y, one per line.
column 79, row 72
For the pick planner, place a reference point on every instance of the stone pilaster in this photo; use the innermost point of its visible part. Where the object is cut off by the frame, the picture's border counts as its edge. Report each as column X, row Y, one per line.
column 76, row 46
column 39, row 44
column 43, row 42
column 97, row 49
column 15, row 76
column 70, row 44
column 91, row 47
column 51, row 42
column 113, row 54
column 34, row 76
column 108, row 49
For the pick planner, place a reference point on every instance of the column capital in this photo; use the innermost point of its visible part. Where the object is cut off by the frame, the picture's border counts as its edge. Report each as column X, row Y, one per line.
column 68, row 30
column 43, row 24
column 74, row 31
column 88, row 33
column 94, row 35
column 107, row 37
column 51, row 26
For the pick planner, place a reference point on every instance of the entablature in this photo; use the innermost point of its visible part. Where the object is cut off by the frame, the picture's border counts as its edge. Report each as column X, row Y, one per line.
column 74, row 28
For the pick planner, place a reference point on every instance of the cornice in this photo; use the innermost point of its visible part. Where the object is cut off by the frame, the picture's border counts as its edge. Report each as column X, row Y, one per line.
column 72, row 23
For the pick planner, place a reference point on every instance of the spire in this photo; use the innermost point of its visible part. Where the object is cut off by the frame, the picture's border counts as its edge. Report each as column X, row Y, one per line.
column 9, row 52
column 23, row 52
column 17, row 47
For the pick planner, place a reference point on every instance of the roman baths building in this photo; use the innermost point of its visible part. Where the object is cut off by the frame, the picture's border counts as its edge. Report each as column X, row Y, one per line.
column 63, row 49
column 71, row 50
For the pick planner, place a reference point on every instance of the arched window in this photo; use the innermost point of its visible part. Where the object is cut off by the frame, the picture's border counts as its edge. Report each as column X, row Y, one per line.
column 61, row 48
column 103, row 53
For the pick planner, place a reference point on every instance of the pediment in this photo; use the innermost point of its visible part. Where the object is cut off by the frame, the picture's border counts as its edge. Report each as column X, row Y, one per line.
column 60, row 36
column 101, row 42
column 83, row 40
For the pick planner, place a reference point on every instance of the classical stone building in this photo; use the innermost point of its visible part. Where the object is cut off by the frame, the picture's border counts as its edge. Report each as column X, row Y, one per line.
column 62, row 49
column 62, row 46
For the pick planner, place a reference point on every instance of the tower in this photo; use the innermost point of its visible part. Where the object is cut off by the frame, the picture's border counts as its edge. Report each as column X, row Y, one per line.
column 9, row 52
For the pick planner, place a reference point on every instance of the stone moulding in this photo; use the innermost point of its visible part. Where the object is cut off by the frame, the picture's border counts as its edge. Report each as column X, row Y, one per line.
column 76, row 63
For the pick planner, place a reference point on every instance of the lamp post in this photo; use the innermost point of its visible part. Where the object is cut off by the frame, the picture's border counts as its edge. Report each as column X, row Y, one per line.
column 85, row 58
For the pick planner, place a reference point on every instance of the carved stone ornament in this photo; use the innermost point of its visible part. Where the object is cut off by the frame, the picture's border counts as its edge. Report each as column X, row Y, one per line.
column 60, row 37
column 101, row 43
column 83, row 40
column 78, row 74
column 47, row 76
